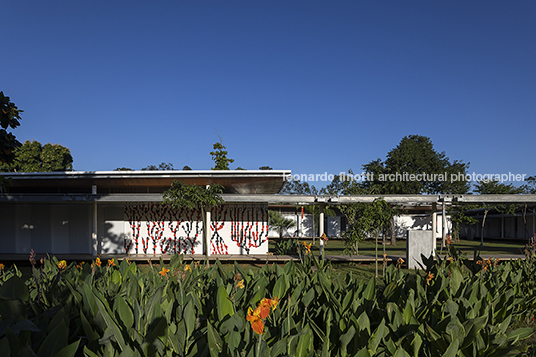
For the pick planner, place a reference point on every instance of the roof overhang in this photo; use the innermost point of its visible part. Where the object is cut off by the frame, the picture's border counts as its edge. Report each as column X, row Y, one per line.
column 234, row 181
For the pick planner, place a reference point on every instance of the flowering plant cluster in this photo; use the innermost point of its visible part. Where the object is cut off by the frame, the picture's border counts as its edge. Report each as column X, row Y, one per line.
column 256, row 317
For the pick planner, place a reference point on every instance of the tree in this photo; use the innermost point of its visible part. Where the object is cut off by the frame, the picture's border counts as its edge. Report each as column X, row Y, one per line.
column 433, row 172
column 123, row 169
column 296, row 187
column 494, row 187
column 34, row 157
column 219, row 156
column 276, row 219
column 530, row 187
column 415, row 167
column 265, row 168
column 186, row 167
column 201, row 198
column 365, row 219
column 9, row 119
column 162, row 167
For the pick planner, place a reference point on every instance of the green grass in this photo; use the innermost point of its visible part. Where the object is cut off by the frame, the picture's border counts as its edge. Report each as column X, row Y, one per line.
column 367, row 248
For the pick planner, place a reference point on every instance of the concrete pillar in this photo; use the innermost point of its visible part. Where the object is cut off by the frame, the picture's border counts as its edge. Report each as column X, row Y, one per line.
column 207, row 232
column 94, row 236
column 434, row 228
column 533, row 222
column 443, row 225
column 502, row 226
column 418, row 243
column 321, row 228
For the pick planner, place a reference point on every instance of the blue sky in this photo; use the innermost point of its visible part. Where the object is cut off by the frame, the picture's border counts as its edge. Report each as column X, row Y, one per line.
column 311, row 86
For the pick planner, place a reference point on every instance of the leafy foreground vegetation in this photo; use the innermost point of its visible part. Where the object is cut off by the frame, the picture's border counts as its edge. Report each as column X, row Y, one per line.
column 454, row 307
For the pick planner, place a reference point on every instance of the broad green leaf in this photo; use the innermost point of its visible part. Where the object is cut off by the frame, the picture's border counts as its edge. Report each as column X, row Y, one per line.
column 215, row 344
column 124, row 312
column 55, row 340
column 224, row 304
column 68, row 351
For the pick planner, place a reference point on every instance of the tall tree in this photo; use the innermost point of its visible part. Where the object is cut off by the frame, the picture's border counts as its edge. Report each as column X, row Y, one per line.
column 34, row 157
column 9, row 119
column 202, row 198
column 415, row 167
column 219, row 156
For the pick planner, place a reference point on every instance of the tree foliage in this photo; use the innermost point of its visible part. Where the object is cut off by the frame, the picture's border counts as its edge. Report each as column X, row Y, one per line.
column 9, row 119
column 194, row 197
column 296, row 187
column 161, row 167
column 530, row 186
column 415, row 155
column 276, row 220
column 219, row 156
column 494, row 187
column 32, row 156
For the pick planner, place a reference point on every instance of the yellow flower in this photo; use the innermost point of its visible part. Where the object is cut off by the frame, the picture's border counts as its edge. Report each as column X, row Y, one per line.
column 307, row 246
column 163, row 272
column 111, row 262
column 429, row 278
column 240, row 284
column 2, row 266
column 62, row 265
column 188, row 268
column 98, row 262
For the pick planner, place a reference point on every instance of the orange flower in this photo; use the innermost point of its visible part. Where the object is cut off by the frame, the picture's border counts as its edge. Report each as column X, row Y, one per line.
column 111, row 262
column 400, row 261
column 257, row 324
column 429, row 278
column 307, row 246
column 2, row 266
column 80, row 265
column 265, row 305
column 450, row 259
column 98, row 262
column 62, row 265
column 163, row 272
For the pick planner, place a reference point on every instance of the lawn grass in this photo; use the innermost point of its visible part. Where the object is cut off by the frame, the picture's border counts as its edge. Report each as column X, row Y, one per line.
column 367, row 248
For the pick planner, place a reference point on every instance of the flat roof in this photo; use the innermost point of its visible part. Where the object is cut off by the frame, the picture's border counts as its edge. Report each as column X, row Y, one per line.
column 233, row 181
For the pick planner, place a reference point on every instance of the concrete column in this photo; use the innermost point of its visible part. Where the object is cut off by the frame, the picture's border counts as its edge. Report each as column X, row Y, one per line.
column 321, row 228
column 502, row 226
column 207, row 232
column 94, row 237
column 533, row 222
column 434, row 228
column 443, row 226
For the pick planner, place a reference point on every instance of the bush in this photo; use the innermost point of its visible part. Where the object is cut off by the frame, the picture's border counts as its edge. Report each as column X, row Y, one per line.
column 454, row 307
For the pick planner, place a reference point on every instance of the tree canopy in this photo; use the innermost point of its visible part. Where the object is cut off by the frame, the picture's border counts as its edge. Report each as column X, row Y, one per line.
column 415, row 167
column 9, row 119
column 32, row 156
column 161, row 167
column 180, row 195
column 219, row 156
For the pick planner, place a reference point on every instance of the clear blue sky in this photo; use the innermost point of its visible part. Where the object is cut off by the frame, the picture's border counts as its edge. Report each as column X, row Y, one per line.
column 310, row 86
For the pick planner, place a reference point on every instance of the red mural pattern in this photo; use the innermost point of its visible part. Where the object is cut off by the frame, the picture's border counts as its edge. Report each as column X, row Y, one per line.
column 248, row 229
